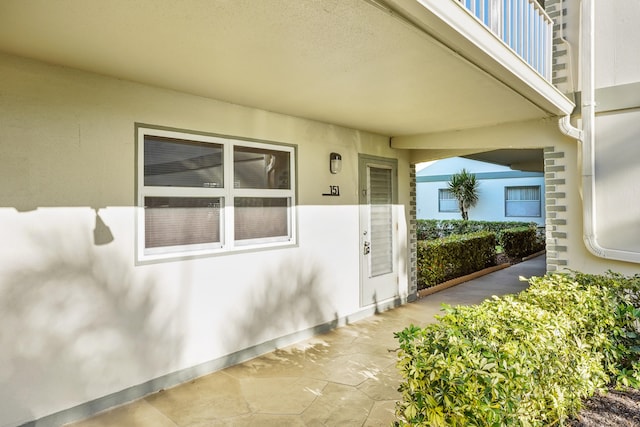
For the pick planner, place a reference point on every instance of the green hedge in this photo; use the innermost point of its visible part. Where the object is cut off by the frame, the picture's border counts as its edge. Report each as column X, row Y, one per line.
column 454, row 256
column 429, row 229
column 519, row 242
column 525, row 360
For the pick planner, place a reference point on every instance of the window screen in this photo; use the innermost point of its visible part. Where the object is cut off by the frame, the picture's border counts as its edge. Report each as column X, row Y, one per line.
column 447, row 202
column 523, row 201
column 259, row 217
column 179, row 221
column 260, row 168
column 180, row 163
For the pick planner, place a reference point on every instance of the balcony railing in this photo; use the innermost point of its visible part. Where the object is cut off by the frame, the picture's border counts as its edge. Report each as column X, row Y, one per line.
column 522, row 24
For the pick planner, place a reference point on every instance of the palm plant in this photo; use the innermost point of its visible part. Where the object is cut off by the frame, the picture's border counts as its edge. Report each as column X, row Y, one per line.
column 464, row 187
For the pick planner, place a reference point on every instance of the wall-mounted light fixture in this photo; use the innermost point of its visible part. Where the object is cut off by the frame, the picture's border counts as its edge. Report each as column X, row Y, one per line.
column 335, row 162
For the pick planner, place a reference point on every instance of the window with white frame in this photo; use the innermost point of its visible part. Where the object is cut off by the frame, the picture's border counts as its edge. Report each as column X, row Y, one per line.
column 523, row 201
column 205, row 194
column 447, row 202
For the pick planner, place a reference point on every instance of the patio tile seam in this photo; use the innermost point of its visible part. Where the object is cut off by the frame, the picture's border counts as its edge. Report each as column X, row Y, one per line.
column 160, row 412
column 369, row 409
column 316, row 396
column 365, row 423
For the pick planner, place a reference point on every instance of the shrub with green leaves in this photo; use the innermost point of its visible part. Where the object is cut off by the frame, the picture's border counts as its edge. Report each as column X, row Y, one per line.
column 454, row 256
column 430, row 229
column 524, row 360
column 623, row 353
column 519, row 242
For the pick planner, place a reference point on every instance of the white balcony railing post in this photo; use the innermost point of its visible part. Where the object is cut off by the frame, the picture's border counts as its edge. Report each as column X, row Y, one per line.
column 522, row 24
column 495, row 14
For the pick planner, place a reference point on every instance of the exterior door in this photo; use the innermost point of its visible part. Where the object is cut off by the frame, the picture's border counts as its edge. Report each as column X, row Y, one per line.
column 378, row 230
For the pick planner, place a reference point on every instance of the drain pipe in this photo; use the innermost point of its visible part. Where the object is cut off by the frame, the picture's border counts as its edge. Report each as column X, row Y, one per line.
column 585, row 136
column 588, row 113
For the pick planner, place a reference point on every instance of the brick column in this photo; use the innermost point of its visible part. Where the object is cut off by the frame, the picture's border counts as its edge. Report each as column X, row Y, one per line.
column 556, row 209
column 561, row 77
column 413, row 245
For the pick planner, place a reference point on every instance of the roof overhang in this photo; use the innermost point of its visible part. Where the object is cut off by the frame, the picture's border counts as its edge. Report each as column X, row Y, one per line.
column 400, row 67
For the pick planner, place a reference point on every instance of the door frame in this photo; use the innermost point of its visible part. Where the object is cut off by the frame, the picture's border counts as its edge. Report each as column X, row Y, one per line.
column 391, row 279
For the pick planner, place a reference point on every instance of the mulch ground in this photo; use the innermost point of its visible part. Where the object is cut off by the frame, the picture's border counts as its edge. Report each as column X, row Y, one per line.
column 503, row 259
column 615, row 408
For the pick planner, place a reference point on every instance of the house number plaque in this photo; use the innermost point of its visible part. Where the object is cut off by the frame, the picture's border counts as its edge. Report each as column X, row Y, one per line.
column 334, row 190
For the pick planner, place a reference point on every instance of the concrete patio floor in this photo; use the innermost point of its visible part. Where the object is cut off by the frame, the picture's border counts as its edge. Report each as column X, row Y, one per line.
column 346, row 377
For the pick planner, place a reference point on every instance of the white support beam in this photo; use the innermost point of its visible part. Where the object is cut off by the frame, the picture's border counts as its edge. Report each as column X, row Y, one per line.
column 532, row 134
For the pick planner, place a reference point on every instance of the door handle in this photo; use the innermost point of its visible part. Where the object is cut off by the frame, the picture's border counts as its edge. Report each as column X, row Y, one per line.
column 367, row 248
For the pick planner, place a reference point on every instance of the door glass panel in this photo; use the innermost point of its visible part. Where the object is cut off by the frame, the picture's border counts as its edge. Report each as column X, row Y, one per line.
column 380, row 205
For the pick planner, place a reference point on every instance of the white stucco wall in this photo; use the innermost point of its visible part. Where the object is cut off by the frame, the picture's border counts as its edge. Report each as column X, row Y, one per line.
column 617, row 174
column 616, row 43
column 616, row 225
column 80, row 320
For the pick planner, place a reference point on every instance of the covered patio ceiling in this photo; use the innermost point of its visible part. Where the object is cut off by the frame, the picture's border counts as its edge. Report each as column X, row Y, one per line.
column 393, row 68
column 525, row 159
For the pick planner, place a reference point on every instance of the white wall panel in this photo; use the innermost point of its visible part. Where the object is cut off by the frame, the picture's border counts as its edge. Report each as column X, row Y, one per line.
column 81, row 320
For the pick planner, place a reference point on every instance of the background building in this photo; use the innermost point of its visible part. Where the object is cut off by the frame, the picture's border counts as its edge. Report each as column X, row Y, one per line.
column 504, row 194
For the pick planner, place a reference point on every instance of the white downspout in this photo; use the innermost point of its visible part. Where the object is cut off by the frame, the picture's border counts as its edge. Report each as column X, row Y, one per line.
column 568, row 129
column 586, row 136
column 588, row 125
column 565, row 122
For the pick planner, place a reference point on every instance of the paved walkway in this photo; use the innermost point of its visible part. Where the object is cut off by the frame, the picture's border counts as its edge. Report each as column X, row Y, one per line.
column 346, row 377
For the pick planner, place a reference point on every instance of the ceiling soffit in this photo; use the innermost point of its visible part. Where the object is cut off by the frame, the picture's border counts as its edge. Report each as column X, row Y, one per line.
column 347, row 62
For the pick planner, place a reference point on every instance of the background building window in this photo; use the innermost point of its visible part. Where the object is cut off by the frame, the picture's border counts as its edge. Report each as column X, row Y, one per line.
column 205, row 194
column 523, row 201
column 447, row 201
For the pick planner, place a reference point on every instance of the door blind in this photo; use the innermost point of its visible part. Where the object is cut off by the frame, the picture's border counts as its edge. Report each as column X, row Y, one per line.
column 380, row 204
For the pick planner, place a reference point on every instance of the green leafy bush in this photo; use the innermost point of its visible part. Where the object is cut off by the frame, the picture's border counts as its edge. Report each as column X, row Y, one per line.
column 519, row 242
column 623, row 353
column 525, row 360
column 454, row 256
column 429, row 229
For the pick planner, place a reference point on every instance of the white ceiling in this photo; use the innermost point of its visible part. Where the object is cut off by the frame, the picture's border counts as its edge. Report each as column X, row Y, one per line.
column 347, row 62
